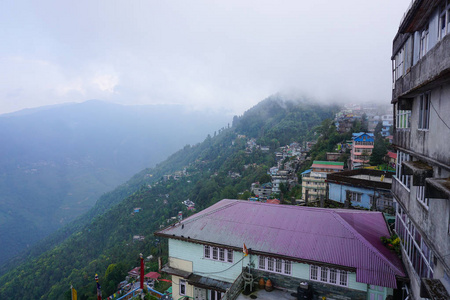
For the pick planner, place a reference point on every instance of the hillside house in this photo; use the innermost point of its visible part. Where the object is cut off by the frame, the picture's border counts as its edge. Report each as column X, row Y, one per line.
column 364, row 188
column 362, row 146
column 338, row 253
column 314, row 180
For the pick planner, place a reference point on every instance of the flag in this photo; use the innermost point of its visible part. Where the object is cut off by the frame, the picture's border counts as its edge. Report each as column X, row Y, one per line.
column 74, row 294
column 245, row 250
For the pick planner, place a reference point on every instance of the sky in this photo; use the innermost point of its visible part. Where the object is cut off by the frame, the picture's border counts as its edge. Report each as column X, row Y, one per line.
column 209, row 55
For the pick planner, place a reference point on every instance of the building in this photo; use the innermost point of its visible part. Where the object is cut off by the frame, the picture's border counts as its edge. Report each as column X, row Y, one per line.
column 387, row 122
column 370, row 189
column 338, row 253
column 314, row 180
column 262, row 190
column 421, row 101
column 362, row 147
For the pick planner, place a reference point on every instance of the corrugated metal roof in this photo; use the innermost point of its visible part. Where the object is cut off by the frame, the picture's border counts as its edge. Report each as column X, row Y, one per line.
column 341, row 237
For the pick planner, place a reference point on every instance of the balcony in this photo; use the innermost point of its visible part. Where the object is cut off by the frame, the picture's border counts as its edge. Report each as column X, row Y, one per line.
column 401, row 193
column 432, row 69
column 402, row 138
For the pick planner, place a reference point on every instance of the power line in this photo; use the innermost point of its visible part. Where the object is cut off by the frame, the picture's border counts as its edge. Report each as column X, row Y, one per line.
column 439, row 115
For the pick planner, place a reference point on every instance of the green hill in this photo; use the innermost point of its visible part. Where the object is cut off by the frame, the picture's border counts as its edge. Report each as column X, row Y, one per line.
column 101, row 241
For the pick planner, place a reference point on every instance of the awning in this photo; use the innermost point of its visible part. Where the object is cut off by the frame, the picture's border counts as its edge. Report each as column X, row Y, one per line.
column 208, row 283
column 419, row 170
column 433, row 289
column 177, row 272
column 438, row 188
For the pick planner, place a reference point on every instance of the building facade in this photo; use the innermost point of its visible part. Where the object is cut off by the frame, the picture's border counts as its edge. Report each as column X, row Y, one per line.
column 206, row 260
column 314, row 183
column 421, row 100
column 370, row 189
column 362, row 147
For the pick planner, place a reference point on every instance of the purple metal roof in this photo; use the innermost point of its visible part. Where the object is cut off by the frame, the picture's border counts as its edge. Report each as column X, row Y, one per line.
column 347, row 238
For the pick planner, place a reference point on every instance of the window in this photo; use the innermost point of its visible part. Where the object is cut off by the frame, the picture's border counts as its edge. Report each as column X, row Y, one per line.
column 275, row 265
column 182, row 287
column 214, row 253
column 314, row 270
column 420, row 194
column 328, row 275
column 424, row 111
column 444, row 20
column 404, row 179
column 419, row 255
column 219, row 254
column 354, row 196
column 403, row 118
column 214, row 295
column 424, row 42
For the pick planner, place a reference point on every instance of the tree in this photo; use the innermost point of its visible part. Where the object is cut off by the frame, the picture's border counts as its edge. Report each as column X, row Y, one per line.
column 379, row 152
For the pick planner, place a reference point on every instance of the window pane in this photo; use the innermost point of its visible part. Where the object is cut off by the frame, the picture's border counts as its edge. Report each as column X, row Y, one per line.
column 221, row 254
column 278, row 265
column 333, row 276
column 207, row 252
column 323, row 274
column 314, row 272
column 215, row 253
column 287, row 267
column 270, row 264
column 343, row 278
column 262, row 263
column 230, row 255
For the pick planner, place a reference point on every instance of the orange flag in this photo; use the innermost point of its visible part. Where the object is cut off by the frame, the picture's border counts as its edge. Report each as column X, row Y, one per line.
column 245, row 250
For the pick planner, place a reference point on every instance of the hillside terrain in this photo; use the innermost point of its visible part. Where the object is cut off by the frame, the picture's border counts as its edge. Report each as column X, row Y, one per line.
column 104, row 240
column 56, row 161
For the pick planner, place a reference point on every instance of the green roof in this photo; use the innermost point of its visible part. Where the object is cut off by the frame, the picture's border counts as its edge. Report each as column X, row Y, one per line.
column 332, row 163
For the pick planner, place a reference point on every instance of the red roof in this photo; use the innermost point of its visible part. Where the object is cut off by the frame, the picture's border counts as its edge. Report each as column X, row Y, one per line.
column 348, row 238
column 152, row 275
column 135, row 272
column 273, row 201
column 392, row 154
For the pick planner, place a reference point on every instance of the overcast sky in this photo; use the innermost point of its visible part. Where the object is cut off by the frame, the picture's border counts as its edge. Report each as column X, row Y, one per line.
column 223, row 55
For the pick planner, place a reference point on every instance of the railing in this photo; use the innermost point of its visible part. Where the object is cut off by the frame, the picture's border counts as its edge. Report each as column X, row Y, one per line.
column 233, row 292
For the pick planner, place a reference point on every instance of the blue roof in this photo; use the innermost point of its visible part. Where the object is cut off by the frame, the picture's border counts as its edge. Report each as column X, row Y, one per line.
column 307, row 171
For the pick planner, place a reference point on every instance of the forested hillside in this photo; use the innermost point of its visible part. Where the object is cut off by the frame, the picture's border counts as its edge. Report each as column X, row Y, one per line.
column 102, row 240
column 57, row 161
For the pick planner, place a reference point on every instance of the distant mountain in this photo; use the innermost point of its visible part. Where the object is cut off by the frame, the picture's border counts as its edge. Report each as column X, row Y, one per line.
column 101, row 241
column 56, row 161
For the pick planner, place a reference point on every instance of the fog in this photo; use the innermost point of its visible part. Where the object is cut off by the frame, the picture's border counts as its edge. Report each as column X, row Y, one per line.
column 208, row 55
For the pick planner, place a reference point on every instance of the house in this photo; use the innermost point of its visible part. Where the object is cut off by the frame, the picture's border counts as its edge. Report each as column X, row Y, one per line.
column 421, row 102
column 362, row 146
column 262, row 190
column 364, row 188
column 314, row 181
column 337, row 252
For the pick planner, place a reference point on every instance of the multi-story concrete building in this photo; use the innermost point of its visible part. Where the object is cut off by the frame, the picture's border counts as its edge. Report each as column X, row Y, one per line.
column 314, row 180
column 421, row 99
column 362, row 146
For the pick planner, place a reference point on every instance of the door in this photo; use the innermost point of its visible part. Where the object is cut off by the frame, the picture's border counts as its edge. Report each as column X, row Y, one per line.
column 199, row 294
column 376, row 293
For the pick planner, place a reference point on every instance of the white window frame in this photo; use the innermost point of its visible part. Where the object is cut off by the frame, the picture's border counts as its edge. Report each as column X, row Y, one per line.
column 420, row 195
column 218, row 254
column 424, row 111
column 328, row 275
column 214, row 295
column 444, row 20
column 275, row 265
column 424, row 41
column 182, row 286
column 418, row 253
column 403, row 118
column 355, row 196
column 405, row 180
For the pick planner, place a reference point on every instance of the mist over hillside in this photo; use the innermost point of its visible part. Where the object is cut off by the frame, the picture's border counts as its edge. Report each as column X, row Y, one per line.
column 56, row 161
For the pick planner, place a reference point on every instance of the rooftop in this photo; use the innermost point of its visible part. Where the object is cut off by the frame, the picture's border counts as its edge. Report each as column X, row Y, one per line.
column 339, row 237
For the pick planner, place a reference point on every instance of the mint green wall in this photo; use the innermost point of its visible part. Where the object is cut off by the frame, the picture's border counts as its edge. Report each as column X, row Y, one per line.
column 213, row 269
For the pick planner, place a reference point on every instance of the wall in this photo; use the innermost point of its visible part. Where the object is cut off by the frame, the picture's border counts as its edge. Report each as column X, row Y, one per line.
column 337, row 192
